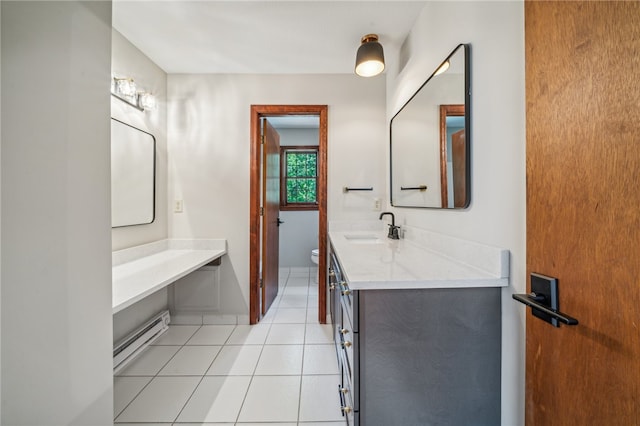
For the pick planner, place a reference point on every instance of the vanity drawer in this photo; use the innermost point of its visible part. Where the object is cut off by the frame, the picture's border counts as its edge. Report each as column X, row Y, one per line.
column 346, row 398
column 347, row 343
column 349, row 301
column 346, row 299
column 346, row 351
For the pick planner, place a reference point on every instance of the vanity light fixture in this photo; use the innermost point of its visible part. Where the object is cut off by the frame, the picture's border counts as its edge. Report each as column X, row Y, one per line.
column 370, row 56
column 147, row 101
column 127, row 91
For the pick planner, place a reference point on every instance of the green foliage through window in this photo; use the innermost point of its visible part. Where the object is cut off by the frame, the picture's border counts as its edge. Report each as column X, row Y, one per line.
column 301, row 168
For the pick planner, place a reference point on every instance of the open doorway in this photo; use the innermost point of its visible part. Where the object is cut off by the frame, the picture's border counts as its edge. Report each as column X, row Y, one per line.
column 262, row 286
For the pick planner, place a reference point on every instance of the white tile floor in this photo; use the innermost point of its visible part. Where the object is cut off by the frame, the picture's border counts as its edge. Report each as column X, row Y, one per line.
column 281, row 372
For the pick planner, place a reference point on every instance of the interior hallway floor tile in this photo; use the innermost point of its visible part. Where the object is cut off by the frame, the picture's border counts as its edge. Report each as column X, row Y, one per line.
column 190, row 361
column 249, row 334
column 125, row 389
column 290, row 316
column 211, row 335
column 236, row 361
column 271, row 399
column 161, row 401
column 176, row 335
column 280, row 360
column 255, row 375
column 150, row 362
column 217, row 399
column 316, row 404
column 286, row 334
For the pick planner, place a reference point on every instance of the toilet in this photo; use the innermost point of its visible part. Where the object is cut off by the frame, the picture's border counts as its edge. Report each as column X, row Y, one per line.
column 314, row 258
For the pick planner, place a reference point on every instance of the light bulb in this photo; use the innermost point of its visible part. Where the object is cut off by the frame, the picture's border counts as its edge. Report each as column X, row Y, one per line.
column 126, row 87
column 443, row 68
column 147, row 101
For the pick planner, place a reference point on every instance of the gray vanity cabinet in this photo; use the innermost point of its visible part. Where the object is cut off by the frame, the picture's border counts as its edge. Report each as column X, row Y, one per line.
column 417, row 357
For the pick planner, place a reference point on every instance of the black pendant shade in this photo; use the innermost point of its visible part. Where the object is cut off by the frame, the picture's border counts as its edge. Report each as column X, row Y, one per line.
column 370, row 57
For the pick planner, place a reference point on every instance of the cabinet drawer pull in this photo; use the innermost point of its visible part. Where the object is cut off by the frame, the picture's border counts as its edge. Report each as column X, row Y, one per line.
column 344, row 331
column 346, row 292
column 332, row 273
column 347, row 344
column 343, row 283
column 346, row 409
column 344, row 391
column 332, row 287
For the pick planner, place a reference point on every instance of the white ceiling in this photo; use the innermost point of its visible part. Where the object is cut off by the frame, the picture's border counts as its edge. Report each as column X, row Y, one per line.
column 261, row 37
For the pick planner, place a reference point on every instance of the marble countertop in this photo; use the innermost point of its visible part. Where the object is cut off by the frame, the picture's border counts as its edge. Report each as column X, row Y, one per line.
column 143, row 270
column 371, row 261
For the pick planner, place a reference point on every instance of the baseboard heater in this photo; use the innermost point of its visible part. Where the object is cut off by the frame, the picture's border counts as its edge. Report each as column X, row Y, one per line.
column 132, row 345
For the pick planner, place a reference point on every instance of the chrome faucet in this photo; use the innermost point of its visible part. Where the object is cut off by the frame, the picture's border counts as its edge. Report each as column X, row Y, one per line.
column 393, row 229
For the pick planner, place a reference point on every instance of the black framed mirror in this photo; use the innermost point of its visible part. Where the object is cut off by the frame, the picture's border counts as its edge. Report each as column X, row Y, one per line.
column 430, row 140
column 132, row 175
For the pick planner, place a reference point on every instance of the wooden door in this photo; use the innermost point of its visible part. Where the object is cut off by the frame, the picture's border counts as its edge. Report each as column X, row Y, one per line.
column 583, row 210
column 271, row 210
column 459, row 166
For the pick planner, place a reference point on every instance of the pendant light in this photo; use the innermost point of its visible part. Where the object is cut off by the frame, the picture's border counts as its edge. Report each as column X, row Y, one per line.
column 370, row 57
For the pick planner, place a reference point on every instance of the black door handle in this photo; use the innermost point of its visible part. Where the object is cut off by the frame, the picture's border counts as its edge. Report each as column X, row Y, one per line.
column 533, row 300
column 544, row 300
column 280, row 221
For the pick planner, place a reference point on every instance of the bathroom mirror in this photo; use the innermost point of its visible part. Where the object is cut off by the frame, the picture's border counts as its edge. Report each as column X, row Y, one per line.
column 430, row 162
column 133, row 163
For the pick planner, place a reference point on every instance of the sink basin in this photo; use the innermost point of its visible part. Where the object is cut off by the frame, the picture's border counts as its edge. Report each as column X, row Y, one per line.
column 364, row 239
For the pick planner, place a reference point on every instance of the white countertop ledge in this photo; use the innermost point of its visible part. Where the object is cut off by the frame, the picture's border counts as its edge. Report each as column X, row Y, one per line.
column 426, row 260
column 140, row 271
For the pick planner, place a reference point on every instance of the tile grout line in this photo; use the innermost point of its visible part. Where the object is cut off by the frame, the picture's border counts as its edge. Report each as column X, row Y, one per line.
column 157, row 373
column 227, row 343
column 244, row 399
column 304, row 350
column 205, row 372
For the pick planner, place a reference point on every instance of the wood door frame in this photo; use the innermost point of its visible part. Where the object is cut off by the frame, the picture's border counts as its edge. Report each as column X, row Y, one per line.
column 257, row 112
column 455, row 110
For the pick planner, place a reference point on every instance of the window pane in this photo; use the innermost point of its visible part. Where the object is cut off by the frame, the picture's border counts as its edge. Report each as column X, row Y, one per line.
column 301, row 164
column 311, row 165
column 301, row 190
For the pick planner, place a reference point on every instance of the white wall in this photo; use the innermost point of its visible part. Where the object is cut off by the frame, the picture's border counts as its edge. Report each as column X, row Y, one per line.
column 129, row 61
column 496, row 216
column 56, row 239
column 298, row 236
column 299, row 232
column 0, row 226
column 209, row 142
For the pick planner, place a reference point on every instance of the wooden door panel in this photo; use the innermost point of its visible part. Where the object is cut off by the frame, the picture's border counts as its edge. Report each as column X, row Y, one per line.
column 459, row 166
column 271, row 204
column 583, row 164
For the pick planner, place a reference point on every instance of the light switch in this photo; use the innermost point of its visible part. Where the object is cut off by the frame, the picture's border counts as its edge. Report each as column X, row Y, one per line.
column 177, row 206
